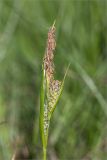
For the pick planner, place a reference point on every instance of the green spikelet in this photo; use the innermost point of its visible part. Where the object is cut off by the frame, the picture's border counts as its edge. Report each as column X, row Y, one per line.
column 54, row 92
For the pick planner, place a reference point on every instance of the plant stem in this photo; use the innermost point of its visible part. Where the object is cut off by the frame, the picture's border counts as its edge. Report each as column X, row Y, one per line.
column 44, row 153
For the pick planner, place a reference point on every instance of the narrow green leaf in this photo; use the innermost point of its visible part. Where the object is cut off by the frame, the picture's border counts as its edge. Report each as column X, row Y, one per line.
column 41, row 117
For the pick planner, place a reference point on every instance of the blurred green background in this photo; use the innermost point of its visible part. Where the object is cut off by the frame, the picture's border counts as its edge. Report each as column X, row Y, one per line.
column 78, row 128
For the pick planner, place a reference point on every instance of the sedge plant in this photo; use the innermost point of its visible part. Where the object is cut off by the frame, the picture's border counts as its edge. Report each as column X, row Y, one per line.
column 51, row 89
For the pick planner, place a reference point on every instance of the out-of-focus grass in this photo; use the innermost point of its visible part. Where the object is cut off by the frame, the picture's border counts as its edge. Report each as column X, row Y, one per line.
column 78, row 129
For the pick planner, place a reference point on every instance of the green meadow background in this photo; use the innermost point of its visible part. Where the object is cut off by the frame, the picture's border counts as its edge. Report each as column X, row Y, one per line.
column 78, row 129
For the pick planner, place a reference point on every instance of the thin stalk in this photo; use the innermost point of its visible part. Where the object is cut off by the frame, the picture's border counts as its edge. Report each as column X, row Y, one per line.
column 44, row 153
column 45, row 144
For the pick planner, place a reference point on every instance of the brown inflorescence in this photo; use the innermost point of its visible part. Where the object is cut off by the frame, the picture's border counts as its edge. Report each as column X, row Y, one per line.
column 49, row 55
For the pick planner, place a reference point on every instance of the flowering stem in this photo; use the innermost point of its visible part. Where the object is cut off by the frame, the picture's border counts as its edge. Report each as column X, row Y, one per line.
column 51, row 89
